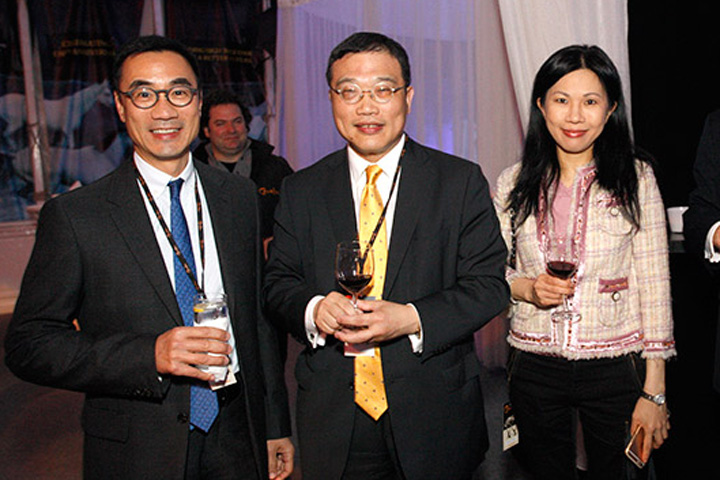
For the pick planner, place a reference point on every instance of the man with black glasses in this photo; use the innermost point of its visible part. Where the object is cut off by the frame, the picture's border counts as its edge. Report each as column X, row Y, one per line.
column 118, row 270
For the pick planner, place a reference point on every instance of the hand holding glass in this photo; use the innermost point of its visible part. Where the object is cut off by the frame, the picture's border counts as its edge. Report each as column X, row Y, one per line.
column 353, row 268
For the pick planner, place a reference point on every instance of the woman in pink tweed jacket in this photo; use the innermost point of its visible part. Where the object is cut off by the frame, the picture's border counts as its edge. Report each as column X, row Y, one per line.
column 579, row 167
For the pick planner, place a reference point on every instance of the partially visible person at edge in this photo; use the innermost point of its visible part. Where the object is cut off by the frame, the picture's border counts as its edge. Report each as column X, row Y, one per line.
column 225, row 124
column 123, row 258
column 581, row 179
column 701, row 221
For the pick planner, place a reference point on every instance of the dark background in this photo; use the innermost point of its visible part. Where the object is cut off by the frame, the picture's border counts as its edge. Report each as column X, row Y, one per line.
column 674, row 62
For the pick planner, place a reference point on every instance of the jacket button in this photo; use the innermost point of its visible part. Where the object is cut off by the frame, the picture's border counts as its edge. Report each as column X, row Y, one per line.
column 183, row 418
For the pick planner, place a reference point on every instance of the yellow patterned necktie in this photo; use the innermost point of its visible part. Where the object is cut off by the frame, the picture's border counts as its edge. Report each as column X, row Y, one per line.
column 369, row 383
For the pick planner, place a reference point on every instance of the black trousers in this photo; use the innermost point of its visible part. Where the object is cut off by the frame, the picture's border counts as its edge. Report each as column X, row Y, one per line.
column 209, row 455
column 372, row 450
column 550, row 394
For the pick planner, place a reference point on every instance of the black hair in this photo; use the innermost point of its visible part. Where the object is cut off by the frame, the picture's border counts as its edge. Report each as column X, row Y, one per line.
column 369, row 42
column 151, row 43
column 613, row 150
column 223, row 97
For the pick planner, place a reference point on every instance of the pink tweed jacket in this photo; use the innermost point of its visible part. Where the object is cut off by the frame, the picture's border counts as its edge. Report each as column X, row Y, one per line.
column 623, row 279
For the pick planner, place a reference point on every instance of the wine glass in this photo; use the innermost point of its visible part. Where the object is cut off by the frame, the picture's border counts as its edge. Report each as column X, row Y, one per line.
column 561, row 262
column 353, row 268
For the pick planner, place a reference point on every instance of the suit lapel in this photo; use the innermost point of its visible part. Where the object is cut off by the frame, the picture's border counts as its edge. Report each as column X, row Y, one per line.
column 223, row 224
column 407, row 210
column 131, row 217
column 338, row 198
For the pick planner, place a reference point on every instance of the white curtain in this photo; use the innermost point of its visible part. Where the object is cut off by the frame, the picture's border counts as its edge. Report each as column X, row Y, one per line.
column 535, row 29
column 462, row 53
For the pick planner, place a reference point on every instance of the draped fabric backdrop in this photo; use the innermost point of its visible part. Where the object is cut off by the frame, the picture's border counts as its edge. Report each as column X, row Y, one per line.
column 472, row 61
column 533, row 30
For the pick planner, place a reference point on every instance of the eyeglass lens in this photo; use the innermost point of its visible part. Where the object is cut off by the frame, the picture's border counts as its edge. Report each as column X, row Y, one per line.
column 381, row 93
column 146, row 97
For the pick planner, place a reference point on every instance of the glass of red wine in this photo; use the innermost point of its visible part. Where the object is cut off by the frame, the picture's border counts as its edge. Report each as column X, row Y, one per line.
column 561, row 262
column 353, row 268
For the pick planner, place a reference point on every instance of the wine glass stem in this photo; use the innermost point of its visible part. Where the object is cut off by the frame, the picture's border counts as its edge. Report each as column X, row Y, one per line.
column 566, row 303
column 354, row 301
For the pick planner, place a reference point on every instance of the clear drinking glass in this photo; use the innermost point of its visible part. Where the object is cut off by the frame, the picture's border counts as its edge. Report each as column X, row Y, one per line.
column 212, row 311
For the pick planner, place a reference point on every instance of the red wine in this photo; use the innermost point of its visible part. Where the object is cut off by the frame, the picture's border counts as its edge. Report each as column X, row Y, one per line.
column 561, row 269
column 354, row 283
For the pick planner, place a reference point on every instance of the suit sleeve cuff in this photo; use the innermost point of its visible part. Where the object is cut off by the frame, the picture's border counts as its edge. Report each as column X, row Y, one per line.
column 314, row 336
column 417, row 339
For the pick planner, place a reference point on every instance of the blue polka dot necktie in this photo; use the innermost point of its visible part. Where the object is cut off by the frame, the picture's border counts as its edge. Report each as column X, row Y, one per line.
column 203, row 401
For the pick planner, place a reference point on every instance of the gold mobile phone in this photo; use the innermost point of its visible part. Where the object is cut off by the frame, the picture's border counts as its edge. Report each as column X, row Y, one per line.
column 634, row 447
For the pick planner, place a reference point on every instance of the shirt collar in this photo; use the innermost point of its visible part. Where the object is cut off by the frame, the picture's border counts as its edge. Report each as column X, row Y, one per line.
column 388, row 162
column 157, row 180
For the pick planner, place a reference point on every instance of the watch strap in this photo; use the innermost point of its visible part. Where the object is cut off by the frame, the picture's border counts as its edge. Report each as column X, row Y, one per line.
column 658, row 399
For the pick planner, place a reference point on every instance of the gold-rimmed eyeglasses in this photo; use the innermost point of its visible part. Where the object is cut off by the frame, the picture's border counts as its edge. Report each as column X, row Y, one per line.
column 351, row 93
column 145, row 97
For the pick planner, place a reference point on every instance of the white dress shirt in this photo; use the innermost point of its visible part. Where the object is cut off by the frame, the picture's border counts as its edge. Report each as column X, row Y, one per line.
column 710, row 254
column 209, row 275
column 358, row 179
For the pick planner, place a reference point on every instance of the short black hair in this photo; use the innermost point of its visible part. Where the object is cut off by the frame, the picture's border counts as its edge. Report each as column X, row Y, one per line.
column 152, row 43
column 369, row 42
column 223, row 97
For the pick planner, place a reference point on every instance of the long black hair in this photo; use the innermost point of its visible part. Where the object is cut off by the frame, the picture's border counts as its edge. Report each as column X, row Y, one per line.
column 613, row 150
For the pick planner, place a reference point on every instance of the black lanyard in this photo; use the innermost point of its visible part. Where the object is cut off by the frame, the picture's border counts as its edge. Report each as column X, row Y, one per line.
column 169, row 234
column 380, row 221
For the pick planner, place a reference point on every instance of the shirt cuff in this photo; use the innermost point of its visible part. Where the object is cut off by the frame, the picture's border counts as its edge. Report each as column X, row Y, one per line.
column 314, row 336
column 416, row 339
column 710, row 254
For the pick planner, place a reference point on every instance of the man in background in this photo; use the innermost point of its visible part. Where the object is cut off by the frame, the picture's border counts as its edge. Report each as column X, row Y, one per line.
column 225, row 123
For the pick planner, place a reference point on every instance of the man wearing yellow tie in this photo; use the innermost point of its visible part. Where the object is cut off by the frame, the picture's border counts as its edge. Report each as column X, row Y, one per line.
column 390, row 390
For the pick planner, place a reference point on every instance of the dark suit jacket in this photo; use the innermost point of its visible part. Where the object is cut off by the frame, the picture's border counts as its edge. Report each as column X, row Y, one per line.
column 704, row 203
column 447, row 258
column 96, row 260
column 267, row 171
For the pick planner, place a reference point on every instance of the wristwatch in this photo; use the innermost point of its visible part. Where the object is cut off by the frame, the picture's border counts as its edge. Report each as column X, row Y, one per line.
column 658, row 399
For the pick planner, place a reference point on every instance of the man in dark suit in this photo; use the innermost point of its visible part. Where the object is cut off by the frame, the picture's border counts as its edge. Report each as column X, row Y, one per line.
column 390, row 390
column 701, row 222
column 106, row 303
column 225, row 123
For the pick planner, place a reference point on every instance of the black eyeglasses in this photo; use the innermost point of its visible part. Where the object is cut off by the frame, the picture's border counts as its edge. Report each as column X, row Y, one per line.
column 145, row 97
column 352, row 93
